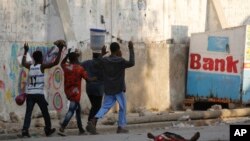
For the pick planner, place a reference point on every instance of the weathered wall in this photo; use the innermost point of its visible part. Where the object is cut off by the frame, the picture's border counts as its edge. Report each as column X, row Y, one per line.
column 236, row 12
column 158, row 79
column 22, row 21
column 19, row 21
column 140, row 19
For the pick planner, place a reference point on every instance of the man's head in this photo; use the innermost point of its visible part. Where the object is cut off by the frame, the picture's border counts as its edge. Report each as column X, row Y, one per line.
column 37, row 56
column 73, row 57
column 115, row 49
column 96, row 55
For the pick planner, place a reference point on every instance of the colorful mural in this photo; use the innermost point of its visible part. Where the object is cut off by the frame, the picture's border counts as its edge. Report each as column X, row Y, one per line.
column 14, row 76
column 57, row 101
column 57, row 78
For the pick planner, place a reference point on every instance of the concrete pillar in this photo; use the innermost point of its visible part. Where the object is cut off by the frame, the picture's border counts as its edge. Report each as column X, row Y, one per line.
column 66, row 20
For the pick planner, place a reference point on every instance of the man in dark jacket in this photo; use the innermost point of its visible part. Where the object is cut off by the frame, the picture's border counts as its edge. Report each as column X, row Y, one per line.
column 113, row 68
column 94, row 89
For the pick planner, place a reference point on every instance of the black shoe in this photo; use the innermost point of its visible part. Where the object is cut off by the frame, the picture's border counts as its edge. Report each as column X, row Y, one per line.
column 50, row 131
column 25, row 133
column 151, row 136
column 81, row 131
column 121, row 130
column 61, row 132
column 91, row 128
column 61, row 129
column 195, row 137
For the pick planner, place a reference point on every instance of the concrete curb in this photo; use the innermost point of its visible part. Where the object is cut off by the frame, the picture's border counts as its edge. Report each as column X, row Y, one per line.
column 192, row 115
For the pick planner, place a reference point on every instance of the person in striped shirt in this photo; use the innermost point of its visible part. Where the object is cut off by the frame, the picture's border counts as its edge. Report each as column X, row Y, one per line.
column 35, row 87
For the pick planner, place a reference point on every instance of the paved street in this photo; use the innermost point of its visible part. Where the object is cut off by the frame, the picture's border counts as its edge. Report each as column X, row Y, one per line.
column 208, row 133
column 217, row 132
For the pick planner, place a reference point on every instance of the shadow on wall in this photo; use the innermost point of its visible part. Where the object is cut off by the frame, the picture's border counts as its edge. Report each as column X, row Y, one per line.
column 179, row 34
column 136, row 79
column 246, row 21
column 178, row 61
column 148, row 81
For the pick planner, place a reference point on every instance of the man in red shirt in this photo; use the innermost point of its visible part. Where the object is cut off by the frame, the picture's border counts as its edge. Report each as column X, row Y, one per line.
column 73, row 74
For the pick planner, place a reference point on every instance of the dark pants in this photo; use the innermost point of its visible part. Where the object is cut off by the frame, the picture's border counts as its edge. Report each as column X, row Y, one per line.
column 96, row 103
column 73, row 106
column 31, row 100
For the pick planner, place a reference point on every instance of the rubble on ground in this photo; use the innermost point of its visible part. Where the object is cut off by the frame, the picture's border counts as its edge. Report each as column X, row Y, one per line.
column 215, row 107
column 184, row 118
column 182, row 124
column 14, row 118
column 2, row 127
column 4, row 117
column 39, row 122
column 72, row 124
column 53, row 115
column 111, row 120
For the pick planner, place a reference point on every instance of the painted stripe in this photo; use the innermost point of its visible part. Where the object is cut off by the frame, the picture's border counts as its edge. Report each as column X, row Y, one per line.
column 35, row 88
column 42, row 75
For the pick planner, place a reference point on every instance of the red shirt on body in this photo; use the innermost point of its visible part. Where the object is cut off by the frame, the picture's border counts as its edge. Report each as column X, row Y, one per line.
column 73, row 74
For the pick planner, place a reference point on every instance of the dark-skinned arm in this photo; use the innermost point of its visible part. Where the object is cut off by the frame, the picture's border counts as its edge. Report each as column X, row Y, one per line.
column 64, row 60
column 24, row 62
column 131, row 61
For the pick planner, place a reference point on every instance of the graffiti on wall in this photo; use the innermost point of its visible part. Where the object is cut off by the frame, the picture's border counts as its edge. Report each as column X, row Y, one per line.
column 13, row 65
column 53, row 75
column 57, row 101
column 57, row 78
column 2, row 87
column 22, row 81
column 55, row 83
column 14, row 78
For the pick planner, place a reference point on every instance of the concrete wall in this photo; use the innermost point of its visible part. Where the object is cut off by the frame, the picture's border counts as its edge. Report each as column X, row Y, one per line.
column 228, row 13
column 141, row 20
column 158, row 79
column 19, row 21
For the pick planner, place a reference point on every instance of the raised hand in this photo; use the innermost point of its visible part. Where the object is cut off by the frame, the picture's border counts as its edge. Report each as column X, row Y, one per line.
column 26, row 47
column 104, row 50
column 130, row 44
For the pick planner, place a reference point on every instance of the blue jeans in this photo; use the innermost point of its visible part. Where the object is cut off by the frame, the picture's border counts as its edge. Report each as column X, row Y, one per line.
column 109, row 101
column 73, row 106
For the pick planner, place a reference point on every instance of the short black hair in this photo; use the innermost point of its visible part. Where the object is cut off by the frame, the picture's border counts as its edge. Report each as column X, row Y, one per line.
column 73, row 57
column 96, row 55
column 114, row 47
column 38, row 56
